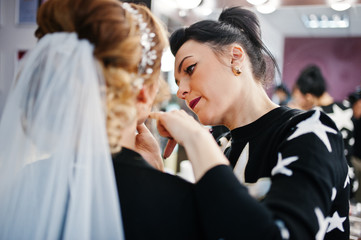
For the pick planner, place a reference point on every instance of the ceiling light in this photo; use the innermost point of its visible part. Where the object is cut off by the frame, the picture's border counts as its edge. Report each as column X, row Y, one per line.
column 188, row 4
column 183, row 12
column 324, row 21
column 256, row 2
column 340, row 5
column 268, row 7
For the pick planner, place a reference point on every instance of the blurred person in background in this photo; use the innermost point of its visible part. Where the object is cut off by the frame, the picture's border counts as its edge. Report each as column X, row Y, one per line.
column 281, row 95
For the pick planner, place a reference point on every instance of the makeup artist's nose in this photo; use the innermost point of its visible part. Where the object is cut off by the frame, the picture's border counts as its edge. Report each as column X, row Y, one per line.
column 183, row 89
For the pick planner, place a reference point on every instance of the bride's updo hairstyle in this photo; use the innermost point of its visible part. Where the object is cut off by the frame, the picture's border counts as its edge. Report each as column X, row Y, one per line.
column 116, row 35
column 234, row 25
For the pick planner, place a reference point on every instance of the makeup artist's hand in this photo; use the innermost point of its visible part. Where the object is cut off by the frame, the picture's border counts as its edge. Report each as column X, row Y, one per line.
column 201, row 148
column 178, row 126
column 147, row 146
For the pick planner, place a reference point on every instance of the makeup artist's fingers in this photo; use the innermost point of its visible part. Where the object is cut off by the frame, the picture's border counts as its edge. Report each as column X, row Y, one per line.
column 160, row 124
column 155, row 115
column 178, row 125
column 169, row 148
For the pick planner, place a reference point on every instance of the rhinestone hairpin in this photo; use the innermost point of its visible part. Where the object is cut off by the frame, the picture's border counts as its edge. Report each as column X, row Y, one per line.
column 146, row 41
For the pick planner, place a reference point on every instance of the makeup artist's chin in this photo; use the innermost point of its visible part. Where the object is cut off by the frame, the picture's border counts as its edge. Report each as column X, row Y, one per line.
column 204, row 119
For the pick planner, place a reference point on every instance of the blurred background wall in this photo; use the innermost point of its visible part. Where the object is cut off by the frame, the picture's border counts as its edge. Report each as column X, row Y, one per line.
column 297, row 32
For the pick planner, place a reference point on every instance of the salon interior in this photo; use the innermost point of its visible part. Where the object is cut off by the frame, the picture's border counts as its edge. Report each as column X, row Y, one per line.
column 297, row 32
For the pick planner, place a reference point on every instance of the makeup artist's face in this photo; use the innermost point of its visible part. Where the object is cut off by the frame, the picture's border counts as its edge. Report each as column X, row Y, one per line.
column 205, row 82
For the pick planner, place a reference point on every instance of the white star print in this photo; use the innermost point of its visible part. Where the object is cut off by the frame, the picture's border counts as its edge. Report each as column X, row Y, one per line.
column 342, row 118
column 350, row 174
column 281, row 165
column 335, row 222
column 242, row 161
column 346, row 103
column 225, row 143
column 334, row 193
column 314, row 125
column 347, row 181
column 258, row 189
column 322, row 223
column 284, row 231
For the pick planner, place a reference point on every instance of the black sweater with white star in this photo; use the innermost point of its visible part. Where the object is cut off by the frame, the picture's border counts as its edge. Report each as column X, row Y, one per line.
column 289, row 181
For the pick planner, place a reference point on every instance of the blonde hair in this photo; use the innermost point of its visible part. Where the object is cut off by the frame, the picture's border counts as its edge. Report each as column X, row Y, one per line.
column 115, row 35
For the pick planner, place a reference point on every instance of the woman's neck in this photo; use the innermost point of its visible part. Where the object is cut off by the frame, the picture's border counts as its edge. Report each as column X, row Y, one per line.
column 324, row 100
column 128, row 136
column 256, row 104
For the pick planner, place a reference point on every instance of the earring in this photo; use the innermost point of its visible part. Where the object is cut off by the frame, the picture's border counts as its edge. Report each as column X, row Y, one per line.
column 236, row 71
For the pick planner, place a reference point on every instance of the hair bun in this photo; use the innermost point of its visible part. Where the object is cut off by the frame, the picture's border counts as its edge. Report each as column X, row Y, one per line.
column 242, row 19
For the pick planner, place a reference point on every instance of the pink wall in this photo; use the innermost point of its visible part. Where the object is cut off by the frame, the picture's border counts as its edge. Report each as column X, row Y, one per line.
column 338, row 58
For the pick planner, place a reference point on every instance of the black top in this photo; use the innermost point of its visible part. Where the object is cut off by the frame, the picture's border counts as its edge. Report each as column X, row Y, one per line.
column 292, row 181
column 357, row 135
column 154, row 204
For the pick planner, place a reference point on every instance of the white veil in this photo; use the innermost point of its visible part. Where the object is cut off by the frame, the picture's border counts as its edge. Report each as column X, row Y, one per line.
column 56, row 174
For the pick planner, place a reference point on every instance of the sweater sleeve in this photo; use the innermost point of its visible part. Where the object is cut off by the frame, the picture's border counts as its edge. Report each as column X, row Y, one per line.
column 308, row 197
column 228, row 211
column 310, row 183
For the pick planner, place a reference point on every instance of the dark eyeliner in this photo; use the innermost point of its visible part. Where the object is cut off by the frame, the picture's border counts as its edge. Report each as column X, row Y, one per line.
column 189, row 70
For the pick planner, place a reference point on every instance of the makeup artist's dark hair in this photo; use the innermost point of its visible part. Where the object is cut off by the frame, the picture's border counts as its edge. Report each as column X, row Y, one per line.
column 234, row 25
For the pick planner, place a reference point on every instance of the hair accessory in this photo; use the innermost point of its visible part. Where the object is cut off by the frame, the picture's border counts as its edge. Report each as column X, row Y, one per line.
column 148, row 55
column 236, row 71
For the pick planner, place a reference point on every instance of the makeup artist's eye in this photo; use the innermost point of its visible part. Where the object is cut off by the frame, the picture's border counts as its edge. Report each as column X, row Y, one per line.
column 189, row 70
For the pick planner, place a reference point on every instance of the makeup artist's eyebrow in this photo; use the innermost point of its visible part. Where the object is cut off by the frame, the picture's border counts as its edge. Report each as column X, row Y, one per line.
column 181, row 63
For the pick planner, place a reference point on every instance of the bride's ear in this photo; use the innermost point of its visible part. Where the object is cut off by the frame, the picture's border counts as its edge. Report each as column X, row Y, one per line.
column 147, row 94
column 142, row 96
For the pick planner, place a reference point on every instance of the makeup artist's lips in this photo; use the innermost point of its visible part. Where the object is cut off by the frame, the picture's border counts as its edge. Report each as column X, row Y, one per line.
column 194, row 102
